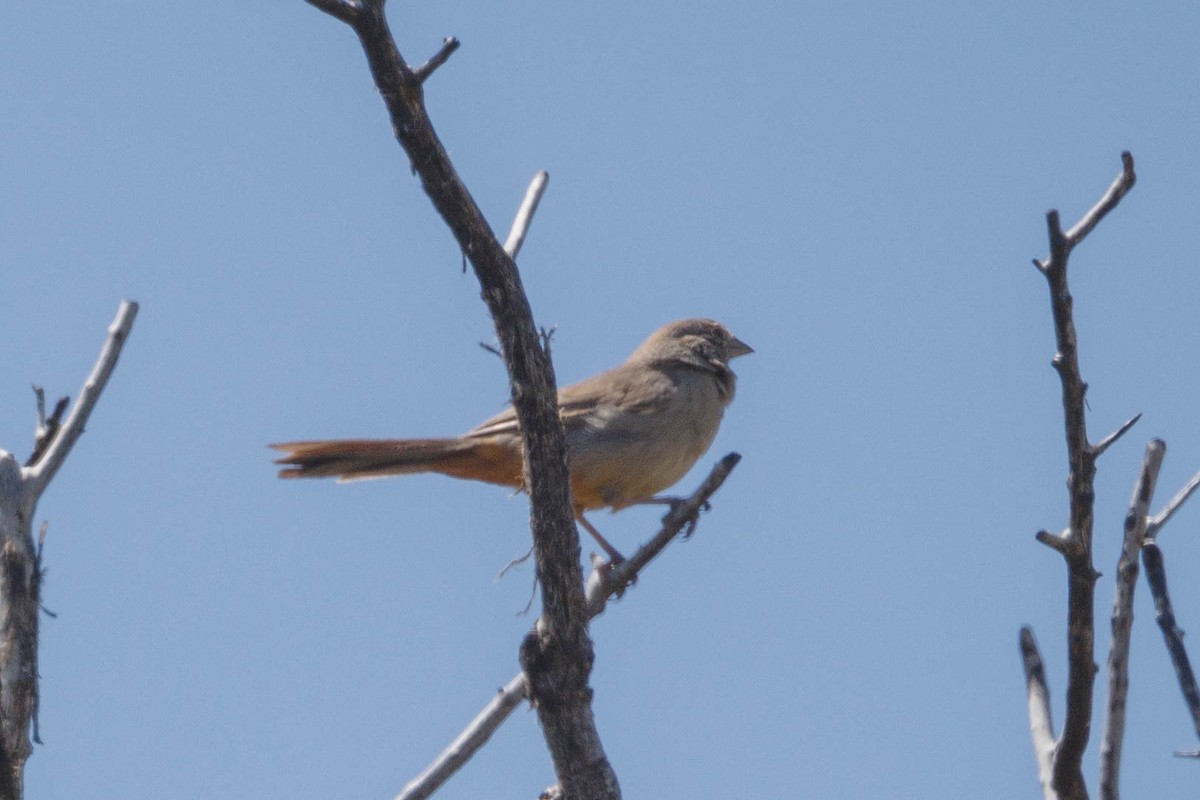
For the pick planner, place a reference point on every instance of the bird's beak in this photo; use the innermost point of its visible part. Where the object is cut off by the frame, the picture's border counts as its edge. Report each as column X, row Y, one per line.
column 738, row 348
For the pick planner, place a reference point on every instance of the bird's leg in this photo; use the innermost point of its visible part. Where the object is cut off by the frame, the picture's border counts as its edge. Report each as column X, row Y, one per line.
column 614, row 557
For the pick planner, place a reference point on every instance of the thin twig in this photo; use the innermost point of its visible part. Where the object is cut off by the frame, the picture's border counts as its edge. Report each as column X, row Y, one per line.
column 529, row 205
column 1156, row 576
column 602, row 584
column 1108, row 441
column 1122, row 620
column 473, row 737
column 491, row 348
column 1160, row 519
column 39, row 475
column 449, row 45
column 47, row 427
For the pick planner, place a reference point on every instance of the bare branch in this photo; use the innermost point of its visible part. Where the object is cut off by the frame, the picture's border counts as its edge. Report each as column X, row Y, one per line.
column 1041, row 727
column 347, row 11
column 1160, row 519
column 39, row 475
column 602, row 584
column 1119, row 188
column 520, row 226
column 1060, row 542
column 20, row 559
column 449, row 45
column 473, row 737
column 1076, row 544
column 558, row 659
column 1156, row 576
column 47, row 428
column 1099, row 448
column 1122, row 620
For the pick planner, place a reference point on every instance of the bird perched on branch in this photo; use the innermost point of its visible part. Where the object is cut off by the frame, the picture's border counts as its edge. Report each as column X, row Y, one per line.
column 632, row 431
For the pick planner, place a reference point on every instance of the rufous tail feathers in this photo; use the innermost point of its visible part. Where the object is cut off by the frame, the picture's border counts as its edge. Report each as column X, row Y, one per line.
column 353, row 459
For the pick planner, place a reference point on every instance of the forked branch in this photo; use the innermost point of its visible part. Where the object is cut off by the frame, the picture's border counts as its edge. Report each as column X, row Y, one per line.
column 20, row 563
column 1156, row 576
column 1122, row 620
column 563, row 648
column 1075, row 544
column 602, row 584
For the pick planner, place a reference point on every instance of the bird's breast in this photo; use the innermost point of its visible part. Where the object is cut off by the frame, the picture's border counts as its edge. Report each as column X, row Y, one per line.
column 620, row 455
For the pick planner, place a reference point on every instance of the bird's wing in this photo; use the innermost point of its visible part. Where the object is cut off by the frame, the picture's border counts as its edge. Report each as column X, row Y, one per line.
column 632, row 390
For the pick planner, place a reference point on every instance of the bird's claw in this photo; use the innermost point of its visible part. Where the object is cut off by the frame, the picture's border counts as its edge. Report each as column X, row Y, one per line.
column 690, row 521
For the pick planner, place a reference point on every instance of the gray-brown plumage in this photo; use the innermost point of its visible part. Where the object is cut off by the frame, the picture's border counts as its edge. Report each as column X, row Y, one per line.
column 632, row 431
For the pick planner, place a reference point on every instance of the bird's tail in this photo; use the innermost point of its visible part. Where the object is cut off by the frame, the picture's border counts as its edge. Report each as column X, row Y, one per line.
column 479, row 459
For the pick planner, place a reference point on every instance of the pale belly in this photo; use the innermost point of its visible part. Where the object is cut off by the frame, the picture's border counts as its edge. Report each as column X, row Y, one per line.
column 620, row 458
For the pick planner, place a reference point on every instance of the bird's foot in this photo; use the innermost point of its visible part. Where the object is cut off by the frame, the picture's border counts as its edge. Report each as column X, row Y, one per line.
column 676, row 512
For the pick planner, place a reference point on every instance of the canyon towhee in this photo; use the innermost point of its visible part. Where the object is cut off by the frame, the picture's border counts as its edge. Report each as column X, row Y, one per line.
column 632, row 431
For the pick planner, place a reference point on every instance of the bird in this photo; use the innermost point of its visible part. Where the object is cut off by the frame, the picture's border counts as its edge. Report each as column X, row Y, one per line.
column 632, row 431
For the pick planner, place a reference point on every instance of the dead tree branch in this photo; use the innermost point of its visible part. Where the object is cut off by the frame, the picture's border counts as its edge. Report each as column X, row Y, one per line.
column 47, row 427
column 559, row 657
column 529, row 205
column 1041, row 725
column 1156, row 523
column 602, row 584
column 449, row 45
column 1122, row 620
column 20, row 567
column 1075, row 543
column 1156, row 576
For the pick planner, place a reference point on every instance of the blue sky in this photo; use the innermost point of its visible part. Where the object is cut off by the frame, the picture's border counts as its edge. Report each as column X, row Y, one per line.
column 856, row 189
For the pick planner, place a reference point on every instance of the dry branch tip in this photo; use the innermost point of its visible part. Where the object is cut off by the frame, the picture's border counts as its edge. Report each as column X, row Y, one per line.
column 1031, row 656
column 524, row 217
column 1108, row 441
column 449, row 45
column 1060, row 542
column 1116, row 191
column 1161, row 518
